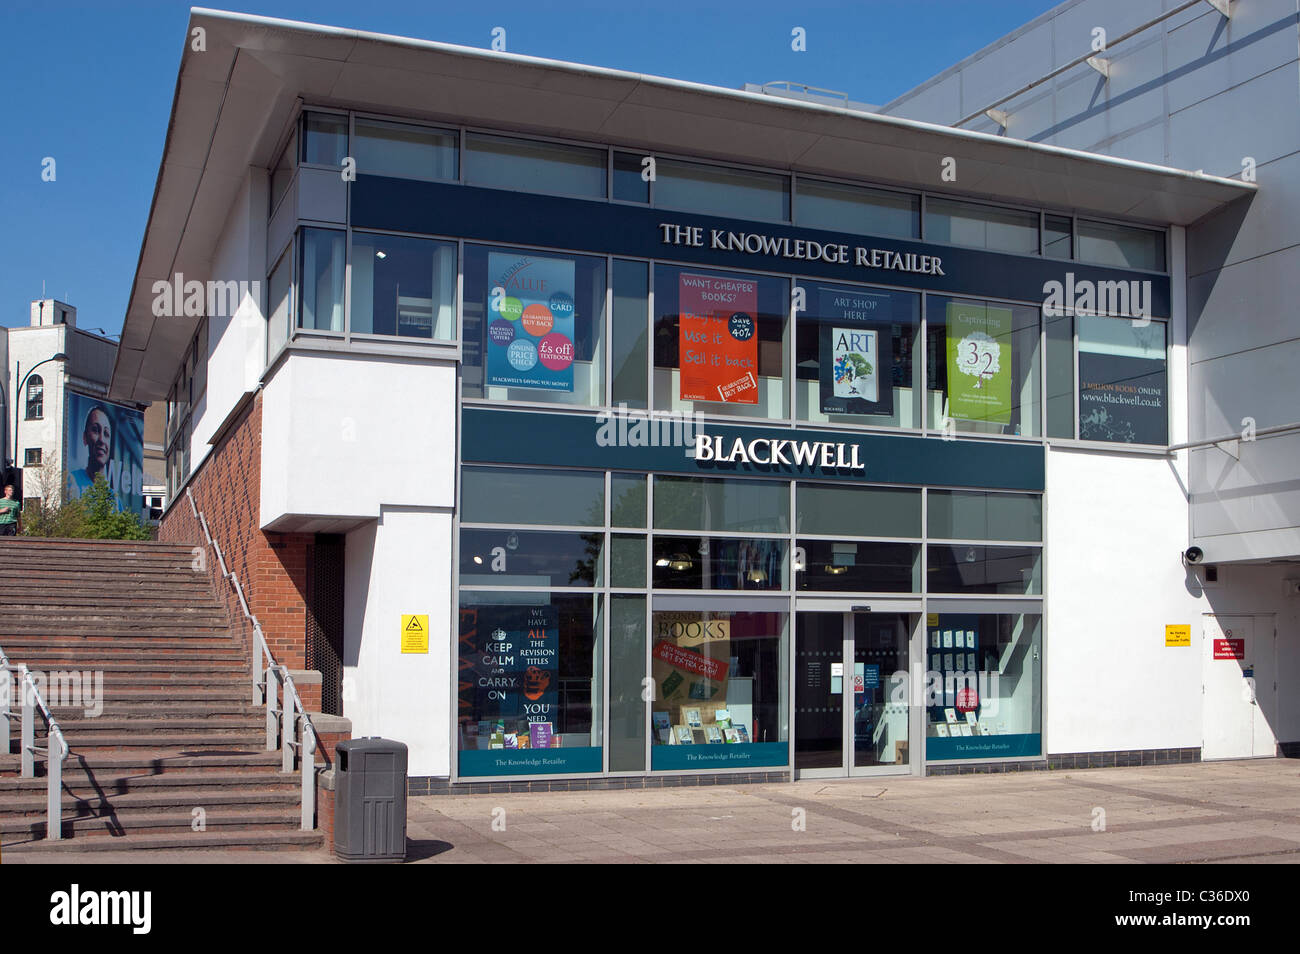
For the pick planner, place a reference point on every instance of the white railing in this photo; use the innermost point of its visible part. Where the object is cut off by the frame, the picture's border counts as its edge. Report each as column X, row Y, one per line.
column 31, row 703
column 273, row 687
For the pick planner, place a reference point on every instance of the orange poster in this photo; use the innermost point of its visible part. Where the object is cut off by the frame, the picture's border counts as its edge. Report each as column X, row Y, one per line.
column 718, row 338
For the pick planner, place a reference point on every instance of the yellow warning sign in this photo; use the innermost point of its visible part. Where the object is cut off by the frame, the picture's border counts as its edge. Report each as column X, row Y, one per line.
column 1178, row 634
column 415, row 633
column 931, row 619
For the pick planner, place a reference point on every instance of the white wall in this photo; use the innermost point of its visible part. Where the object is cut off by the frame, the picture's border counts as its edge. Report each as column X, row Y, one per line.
column 344, row 436
column 400, row 563
column 236, row 343
column 1116, row 527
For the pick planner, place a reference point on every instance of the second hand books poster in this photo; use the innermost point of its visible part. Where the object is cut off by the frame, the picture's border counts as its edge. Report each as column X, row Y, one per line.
column 718, row 338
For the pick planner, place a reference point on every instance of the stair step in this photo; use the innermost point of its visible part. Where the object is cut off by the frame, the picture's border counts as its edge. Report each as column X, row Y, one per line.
column 255, row 840
column 15, row 646
column 123, row 805
column 157, row 761
column 81, row 728
column 180, row 820
column 171, row 709
column 86, row 741
column 125, row 781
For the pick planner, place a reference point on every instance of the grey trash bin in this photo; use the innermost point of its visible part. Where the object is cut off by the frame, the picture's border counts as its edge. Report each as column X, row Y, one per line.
column 370, row 800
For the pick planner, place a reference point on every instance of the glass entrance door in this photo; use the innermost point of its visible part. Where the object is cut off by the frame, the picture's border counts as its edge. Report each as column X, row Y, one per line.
column 879, row 702
column 850, row 715
column 819, row 694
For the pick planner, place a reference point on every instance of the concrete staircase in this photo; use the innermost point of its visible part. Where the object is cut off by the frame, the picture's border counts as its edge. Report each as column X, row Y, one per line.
column 177, row 757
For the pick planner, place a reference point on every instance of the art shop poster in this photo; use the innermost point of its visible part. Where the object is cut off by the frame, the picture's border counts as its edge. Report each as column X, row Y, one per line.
column 530, row 339
column 1123, row 392
column 979, row 363
column 108, row 439
column 856, row 352
column 718, row 338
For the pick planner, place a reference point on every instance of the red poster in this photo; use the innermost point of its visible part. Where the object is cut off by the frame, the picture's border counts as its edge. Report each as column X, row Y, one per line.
column 1229, row 649
column 691, row 661
column 718, row 338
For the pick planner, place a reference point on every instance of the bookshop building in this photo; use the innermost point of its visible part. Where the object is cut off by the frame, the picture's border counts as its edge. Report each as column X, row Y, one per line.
column 609, row 426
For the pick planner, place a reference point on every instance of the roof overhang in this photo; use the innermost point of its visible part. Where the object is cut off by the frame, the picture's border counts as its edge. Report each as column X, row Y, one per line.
column 234, row 99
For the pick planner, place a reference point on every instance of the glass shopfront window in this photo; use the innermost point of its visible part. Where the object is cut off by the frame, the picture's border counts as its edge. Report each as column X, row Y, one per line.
column 983, row 366
column 529, row 683
column 527, row 165
column 534, row 327
column 858, row 566
column 403, row 286
column 320, row 275
column 981, row 515
column 404, row 151
column 721, row 688
column 531, row 558
column 1121, row 245
column 974, row 568
column 717, row 190
column 720, row 341
column 718, row 563
column 984, row 695
column 324, row 139
column 700, row 503
column 855, row 356
column 850, row 208
column 981, row 226
column 565, row 498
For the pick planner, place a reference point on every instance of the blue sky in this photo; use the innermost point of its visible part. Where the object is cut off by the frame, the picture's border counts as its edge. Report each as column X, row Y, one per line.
column 90, row 84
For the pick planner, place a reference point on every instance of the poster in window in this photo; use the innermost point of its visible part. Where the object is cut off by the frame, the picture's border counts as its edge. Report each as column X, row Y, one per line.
column 718, row 332
column 979, row 362
column 105, row 439
column 856, row 352
column 1122, row 384
column 509, row 668
column 530, row 327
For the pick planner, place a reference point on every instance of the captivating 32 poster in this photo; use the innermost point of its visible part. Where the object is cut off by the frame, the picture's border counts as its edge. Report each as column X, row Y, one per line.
column 104, row 438
column 979, row 363
column 718, row 339
column 856, row 351
column 530, row 341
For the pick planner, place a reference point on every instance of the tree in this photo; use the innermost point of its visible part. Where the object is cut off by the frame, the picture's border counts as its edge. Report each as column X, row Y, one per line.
column 104, row 521
column 92, row 516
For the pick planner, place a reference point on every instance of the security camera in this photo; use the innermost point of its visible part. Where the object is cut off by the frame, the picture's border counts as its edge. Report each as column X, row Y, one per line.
column 1193, row 555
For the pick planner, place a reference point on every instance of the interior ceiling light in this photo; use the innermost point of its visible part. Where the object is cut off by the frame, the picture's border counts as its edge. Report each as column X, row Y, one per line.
column 381, row 255
column 681, row 562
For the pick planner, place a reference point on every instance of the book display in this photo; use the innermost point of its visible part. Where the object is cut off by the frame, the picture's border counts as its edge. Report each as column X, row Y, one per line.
column 696, row 684
column 954, row 711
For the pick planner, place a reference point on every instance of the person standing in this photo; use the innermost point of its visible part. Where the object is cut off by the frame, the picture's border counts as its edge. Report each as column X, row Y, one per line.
column 8, row 513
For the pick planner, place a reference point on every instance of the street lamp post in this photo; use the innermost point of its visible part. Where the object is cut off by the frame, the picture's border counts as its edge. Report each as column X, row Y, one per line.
column 20, row 400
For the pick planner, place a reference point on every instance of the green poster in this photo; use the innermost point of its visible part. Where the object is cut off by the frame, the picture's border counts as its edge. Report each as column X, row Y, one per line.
column 979, row 363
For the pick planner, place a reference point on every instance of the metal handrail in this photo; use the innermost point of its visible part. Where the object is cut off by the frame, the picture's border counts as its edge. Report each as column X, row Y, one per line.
column 32, row 702
column 281, row 720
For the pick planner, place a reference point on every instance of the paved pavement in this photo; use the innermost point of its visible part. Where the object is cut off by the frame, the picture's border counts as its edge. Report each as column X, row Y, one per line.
column 1236, row 812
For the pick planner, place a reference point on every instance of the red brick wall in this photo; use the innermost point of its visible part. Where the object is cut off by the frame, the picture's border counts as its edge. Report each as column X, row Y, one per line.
column 271, row 567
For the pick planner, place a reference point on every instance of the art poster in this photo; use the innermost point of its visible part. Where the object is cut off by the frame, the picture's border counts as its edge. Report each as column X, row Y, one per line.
column 530, row 327
column 509, row 659
column 1123, row 388
column 979, row 363
column 718, row 338
column 102, row 438
column 856, row 351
